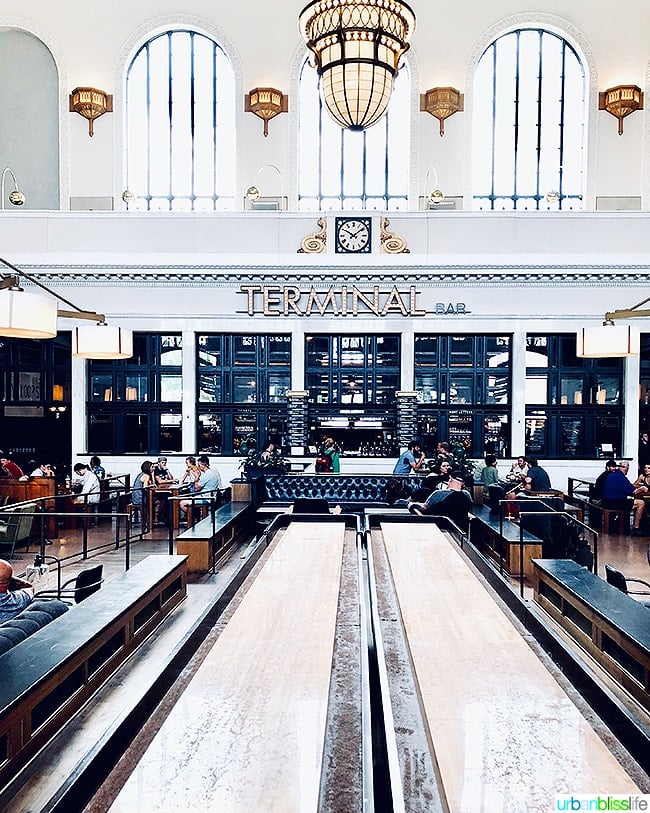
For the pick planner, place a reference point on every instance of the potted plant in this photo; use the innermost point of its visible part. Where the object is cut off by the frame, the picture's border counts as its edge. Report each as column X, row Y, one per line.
column 269, row 461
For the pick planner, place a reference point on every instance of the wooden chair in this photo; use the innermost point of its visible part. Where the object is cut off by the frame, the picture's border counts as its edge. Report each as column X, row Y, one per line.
column 16, row 527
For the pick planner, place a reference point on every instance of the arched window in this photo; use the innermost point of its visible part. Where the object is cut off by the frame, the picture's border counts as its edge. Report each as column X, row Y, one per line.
column 180, row 113
column 529, row 118
column 341, row 169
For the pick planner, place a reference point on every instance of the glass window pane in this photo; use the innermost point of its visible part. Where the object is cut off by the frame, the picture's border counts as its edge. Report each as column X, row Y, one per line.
column 244, row 389
column 100, row 433
column 170, row 438
column 388, row 352
column 353, row 351
column 536, row 389
column 497, row 389
column 210, row 351
column 279, row 349
column 570, row 389
column 461, row 390
column 136, row 387
column 210, row 387
column 171, row 351
column 244, row 351
column 461, row 351
column 536, row 441
column 210, row 433
column 136, row 433
column 279, row 383
column 426, row 350
column 171, row 387
column 101, row 387
column 427, row 387
column 318, row 351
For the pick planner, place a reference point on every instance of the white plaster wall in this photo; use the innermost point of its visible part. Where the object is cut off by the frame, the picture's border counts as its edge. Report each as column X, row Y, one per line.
column 93, row 45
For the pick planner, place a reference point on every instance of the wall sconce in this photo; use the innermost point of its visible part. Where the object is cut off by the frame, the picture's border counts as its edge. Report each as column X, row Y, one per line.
column 16, row 197
column 266, row 103
column 58, row 410
column 34, row 316
column 57, row 392
column 254, row 200
column 442, row 103
column 91, row 104
column 357, row 46
column 620, row 101
column 610, row 340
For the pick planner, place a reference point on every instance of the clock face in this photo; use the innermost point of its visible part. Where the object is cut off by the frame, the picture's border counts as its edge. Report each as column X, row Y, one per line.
column 353, row 235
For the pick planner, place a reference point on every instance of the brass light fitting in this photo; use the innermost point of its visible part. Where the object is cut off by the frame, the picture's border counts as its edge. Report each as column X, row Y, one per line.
column 266, row 103
column 442, row 103
column 90, row 103
column 620, row 101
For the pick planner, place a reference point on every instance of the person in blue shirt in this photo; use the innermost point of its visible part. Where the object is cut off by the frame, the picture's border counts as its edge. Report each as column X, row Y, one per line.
column 411, row 460
column 15, row 593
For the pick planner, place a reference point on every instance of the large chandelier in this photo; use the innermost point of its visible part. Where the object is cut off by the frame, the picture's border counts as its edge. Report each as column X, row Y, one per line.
column 357, row 47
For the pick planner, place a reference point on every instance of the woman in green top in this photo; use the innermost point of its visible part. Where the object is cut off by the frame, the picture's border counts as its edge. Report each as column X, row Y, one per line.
column 489, row 474
column 331, row 451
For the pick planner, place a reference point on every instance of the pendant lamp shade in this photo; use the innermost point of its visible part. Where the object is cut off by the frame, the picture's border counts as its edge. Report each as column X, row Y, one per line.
column 608, row 341
column 102, row 342
column 357, row 47
column 26, row 315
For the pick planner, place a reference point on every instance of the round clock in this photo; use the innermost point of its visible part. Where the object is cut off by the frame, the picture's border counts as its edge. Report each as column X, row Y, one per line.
column 353, row 235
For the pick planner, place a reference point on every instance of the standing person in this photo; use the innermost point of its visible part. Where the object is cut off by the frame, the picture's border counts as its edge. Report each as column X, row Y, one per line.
column 15, row 593
column 332, row 453
column 97, row 468
column 10, row 468
column 537, row 478
column 489, row 473
column 411, row 460
column 209, row 481
column 644, row 450
column 140, row 493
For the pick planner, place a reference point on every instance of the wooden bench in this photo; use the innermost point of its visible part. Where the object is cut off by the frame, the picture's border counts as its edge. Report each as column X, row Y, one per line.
column 210, row 536
column 49, row 676
column 503, row 540
column 611, row 626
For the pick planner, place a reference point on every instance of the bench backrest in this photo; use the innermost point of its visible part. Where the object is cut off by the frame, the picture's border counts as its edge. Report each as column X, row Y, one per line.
column 333, row 487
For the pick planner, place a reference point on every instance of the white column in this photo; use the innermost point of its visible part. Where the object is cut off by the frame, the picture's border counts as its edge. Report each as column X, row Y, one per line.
column 79, row 417
column 518, row 393
column 631, row 378
column 407, row 380
column 297, row 360
column 189, row 438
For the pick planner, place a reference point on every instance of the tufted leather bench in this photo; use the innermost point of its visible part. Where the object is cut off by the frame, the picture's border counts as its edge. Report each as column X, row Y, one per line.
column 35, row 616
column 348, row 491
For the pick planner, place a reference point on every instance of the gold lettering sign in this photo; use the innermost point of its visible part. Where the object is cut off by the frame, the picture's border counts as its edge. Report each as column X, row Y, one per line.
column 289, row 300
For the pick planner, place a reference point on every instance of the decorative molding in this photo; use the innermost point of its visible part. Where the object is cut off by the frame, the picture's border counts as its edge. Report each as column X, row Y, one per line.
column 573, row 35
column 390, row 243
column 151, row 28
column 315, row 243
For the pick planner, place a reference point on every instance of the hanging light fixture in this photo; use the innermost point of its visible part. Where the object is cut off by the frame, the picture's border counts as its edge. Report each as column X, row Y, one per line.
column 34, row 316
column 102, row 341
column 610, row 340
column 357, row 47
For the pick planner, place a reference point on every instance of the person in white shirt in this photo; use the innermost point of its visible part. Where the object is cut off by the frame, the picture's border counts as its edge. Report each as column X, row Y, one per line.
column 43, row 470
column 87, row 479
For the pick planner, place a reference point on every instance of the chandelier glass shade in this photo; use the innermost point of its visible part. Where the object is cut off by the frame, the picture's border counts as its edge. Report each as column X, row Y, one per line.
column 357, row 46
column 608, row 341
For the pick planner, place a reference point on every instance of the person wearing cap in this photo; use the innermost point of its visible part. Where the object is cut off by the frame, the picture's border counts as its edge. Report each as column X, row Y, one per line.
column 163, row 478
column 10, row 468
column 453, row 502
column 597, row 491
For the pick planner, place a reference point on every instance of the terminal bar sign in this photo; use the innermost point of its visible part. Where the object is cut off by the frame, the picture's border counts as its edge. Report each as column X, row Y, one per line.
column 348, row 300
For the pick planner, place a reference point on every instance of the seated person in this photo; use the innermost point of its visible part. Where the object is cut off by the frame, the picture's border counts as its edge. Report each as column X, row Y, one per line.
column 641, row 488
column 411, row 460
column 489, row 474
column 85, row 485
column 518, row 470
column 209, row 481
column 618, row 490
column 15, row 593
column 43, row 470
column 162, row 477
column 537, row 478
column 597, row 491
column 434, row 481
column 453, row 502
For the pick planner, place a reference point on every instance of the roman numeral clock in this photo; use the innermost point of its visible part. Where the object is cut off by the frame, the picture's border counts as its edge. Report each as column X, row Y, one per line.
column 352, row 235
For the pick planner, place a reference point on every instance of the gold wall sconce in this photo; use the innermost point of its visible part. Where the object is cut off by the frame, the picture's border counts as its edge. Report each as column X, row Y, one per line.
column 90, row 103
column 442, row 103
column 620, row 101
column 266, row 103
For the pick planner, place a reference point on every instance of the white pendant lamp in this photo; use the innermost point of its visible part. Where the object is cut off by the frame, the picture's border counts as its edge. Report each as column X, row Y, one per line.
column 26, row 315
column 608, row 341
column 102, row 341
